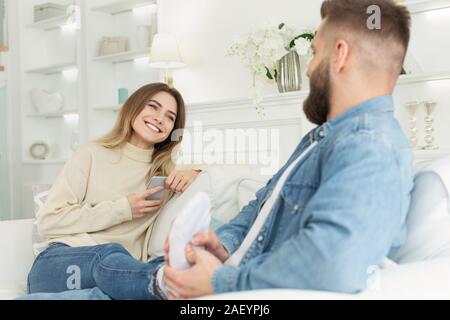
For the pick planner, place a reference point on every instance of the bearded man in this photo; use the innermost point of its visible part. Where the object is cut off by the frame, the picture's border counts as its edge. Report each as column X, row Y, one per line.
column 338, row 206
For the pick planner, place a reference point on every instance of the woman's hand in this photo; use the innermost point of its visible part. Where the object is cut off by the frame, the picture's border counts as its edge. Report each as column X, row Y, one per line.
column 179, row 181
column 141, row 207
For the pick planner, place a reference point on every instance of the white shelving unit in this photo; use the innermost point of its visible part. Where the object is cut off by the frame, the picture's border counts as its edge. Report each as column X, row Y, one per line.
column 48, row 50
column 424, row 77
column 45, row 162
column 427, row 5
column 50, row 24
column 418, row 7
column 124, row 56
column 108, row 108
column 53, row 69
column 60, row 114
column 127, row 70
column 123, row 6
column 56, row 54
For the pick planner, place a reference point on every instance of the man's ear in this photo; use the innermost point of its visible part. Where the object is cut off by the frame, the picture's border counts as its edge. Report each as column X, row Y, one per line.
column 341, row 56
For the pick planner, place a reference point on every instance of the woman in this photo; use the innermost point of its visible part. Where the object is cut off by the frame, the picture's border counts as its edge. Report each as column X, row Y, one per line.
column 96, row 218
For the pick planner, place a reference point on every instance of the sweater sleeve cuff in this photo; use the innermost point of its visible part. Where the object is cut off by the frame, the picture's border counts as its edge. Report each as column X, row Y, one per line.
column 224, row 279
column 123, row 210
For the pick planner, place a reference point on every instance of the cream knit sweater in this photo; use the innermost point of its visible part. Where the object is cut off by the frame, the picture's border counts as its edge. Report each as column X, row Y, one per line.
column 88, row 204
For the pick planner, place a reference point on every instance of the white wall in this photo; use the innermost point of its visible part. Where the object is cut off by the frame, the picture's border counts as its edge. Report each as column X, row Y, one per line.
column 205, row 30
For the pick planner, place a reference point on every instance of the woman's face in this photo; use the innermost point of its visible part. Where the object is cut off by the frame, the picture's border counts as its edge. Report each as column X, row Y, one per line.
column 155, row 122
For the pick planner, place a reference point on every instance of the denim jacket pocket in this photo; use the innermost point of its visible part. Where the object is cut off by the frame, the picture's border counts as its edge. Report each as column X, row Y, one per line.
column 296, row 195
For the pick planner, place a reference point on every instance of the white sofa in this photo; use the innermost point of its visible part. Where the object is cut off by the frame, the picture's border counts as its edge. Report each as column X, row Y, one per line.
column 233, row 187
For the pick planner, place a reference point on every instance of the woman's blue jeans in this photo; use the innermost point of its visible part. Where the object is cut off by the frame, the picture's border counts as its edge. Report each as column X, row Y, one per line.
column 108, row 267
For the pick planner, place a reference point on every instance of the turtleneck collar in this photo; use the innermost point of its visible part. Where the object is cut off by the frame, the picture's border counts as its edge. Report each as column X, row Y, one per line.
column 138, row 154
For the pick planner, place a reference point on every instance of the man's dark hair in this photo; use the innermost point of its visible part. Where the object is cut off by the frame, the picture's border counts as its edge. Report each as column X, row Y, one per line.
column 351, row 16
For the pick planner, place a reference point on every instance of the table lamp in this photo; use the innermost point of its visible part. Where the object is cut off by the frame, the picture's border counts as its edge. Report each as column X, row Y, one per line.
column 165, row 54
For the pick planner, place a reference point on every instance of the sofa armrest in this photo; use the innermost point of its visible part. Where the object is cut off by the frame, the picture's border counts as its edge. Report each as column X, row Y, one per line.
column 418, row 280
column 16, row 251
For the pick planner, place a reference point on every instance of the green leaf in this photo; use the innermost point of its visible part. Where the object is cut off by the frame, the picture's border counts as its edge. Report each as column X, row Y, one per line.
column 268, row 74
column 308, row 36
column 281, row 26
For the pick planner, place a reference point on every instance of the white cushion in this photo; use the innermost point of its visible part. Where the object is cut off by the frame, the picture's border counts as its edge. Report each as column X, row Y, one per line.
column 40, row 194
column 16, row 257
column 428, row 223
column 247, row 189
column 12, row 290
column 220, row 184
column 224, row 182
column 161, row 227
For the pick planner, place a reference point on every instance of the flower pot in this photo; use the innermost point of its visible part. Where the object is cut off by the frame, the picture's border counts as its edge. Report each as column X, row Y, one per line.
column 289, row 76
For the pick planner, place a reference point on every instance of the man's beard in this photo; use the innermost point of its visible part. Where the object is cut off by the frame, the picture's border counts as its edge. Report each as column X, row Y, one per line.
column 317, row 105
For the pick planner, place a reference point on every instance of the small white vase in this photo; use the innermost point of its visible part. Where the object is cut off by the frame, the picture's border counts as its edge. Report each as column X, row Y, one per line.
column 143, row 34
column 44, row 101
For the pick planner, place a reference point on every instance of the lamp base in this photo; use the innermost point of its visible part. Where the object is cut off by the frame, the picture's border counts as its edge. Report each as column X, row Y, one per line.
column 169, row 81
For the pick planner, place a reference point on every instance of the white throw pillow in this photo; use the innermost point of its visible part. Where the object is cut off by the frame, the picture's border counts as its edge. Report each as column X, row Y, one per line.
column 161, row 226
column 220, row 182
column 40, row 194
column 225, row 180
column 247, row 189
column 428, row 222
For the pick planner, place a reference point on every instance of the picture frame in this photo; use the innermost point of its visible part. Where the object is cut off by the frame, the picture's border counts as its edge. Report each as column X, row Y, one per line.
column 112, row 45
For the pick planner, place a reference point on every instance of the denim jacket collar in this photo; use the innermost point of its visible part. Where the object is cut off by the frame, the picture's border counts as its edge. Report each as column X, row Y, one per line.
column 378, row 104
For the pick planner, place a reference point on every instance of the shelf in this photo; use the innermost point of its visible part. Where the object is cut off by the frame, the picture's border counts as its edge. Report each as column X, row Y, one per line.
column 52, row 69
column 123, row 6
column 108, row 108
column 425, row 156
column 124, row 56
column 428, row 5
column 59, row 114
column 44, row 162
column 50, row 24
column 423, row 77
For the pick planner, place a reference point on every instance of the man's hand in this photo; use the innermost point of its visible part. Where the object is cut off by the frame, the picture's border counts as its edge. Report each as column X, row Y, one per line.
column 211, row 243
column 194, row 282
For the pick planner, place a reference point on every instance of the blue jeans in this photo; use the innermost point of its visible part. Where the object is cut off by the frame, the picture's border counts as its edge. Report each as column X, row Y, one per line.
column 108, row 267
column 87, row 294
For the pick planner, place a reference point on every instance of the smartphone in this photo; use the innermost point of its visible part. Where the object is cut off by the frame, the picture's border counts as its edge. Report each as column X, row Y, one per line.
column 156, row 182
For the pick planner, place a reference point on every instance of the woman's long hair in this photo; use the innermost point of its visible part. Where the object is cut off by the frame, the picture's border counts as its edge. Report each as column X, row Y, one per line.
column 162, row 164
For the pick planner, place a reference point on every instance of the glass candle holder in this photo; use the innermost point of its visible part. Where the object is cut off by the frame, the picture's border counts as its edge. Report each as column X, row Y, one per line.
column 412, row 108
column 430, row 107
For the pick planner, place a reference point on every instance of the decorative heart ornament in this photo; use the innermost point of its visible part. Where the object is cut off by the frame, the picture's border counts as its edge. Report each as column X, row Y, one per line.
column 46, row 102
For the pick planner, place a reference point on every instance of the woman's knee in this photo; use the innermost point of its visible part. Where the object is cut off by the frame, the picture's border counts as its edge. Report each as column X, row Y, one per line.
column 112, row 248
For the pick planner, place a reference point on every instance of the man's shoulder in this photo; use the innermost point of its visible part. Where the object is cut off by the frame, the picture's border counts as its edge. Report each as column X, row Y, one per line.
column 379, row 129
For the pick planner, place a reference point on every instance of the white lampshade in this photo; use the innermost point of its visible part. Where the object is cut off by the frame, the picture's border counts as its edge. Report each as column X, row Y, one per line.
column 165, row 53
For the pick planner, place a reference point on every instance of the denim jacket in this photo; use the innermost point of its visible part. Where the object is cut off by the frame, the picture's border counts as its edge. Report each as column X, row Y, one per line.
column 340, row 212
